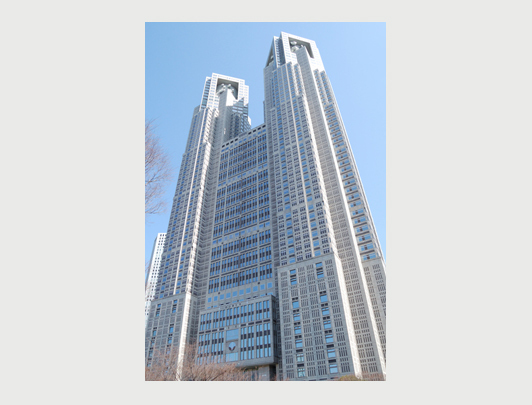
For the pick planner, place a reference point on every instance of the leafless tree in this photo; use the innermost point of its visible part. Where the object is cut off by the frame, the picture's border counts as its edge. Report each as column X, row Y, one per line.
column 157, row 171
column 350, row 377
column 167, row 366
column 147, row 266
column 365, row 377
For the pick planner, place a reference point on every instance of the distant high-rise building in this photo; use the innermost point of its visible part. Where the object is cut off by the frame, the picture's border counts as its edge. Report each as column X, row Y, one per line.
column 152, row 273
column 271, row 258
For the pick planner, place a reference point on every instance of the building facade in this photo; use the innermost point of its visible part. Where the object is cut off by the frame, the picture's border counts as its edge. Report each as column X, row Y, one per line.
column 152, row 273
column 271, row 258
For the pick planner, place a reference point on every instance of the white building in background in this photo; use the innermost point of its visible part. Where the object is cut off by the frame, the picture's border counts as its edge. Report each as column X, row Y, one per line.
column 152, row 272
column 271, row 258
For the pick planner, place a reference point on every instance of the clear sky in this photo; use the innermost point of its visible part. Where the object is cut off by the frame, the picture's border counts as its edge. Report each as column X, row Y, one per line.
column 179, row 56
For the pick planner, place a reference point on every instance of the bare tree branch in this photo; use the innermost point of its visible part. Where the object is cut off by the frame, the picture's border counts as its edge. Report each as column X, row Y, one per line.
column 365, row 377
column 157, row 171
column 166, row 366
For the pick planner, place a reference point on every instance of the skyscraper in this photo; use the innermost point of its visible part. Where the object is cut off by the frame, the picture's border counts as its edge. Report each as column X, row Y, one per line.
column 271, row 258
column 152, row 273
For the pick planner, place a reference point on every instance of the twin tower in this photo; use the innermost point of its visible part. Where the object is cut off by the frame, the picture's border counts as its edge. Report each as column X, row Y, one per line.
column 271, row 259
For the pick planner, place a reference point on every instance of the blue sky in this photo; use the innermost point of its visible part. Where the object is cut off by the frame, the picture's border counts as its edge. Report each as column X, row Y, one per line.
column 180, row 55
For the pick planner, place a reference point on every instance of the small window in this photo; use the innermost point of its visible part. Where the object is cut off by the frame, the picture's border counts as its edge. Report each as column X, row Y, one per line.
column 232, row 334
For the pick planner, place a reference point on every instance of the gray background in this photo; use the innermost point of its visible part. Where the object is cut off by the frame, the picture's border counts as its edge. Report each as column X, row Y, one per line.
column 458, row 108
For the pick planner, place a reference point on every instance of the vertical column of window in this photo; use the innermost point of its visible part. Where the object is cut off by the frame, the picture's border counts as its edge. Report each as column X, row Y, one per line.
column 367, row 241
column 347, row 255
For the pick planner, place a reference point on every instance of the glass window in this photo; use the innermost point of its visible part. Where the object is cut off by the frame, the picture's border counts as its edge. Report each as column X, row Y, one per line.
column 333, row 368
column 295, row 304
column 232, row 334
column 299, row 342
column 329, row 338
column 331, row 353
column 231, row 357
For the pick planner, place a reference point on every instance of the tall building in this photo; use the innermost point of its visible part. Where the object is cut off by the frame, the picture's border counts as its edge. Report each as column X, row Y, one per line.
column 271, row 258
column 152, row 273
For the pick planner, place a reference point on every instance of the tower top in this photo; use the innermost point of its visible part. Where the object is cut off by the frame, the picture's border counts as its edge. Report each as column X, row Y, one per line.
column 214, row 86
column 285, row 46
